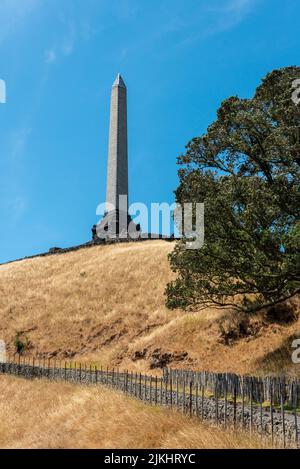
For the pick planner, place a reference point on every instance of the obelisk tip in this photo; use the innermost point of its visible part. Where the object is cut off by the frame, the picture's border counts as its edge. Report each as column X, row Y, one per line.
column 119, row 81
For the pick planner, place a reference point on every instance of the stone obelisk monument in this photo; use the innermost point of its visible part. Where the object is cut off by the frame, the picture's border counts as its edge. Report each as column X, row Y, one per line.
column 116, row 222
column 117, row 168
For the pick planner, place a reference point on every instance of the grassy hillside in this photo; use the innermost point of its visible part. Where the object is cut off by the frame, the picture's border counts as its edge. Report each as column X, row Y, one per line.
column 40, row 414
column 106, row 305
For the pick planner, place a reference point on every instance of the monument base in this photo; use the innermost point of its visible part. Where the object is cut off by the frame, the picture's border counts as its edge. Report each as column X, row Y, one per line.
column 116, row 225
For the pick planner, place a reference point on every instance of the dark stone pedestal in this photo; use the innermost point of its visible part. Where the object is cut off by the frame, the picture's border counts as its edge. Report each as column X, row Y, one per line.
column 116, row 225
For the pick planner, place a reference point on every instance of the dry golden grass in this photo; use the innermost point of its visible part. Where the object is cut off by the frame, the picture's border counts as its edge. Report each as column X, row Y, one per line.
column 105, row 303
column 41, row 414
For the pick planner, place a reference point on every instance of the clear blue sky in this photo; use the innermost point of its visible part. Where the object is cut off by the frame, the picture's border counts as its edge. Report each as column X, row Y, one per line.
column 59, row 58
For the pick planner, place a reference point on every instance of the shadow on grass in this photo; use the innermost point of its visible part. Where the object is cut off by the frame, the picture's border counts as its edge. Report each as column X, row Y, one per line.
column 279, row 361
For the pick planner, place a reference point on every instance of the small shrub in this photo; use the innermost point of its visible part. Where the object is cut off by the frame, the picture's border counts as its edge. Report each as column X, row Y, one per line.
column 236, row 326
column 21, row 345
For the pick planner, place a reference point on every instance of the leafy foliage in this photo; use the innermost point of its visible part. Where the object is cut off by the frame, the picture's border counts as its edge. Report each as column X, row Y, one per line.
column 246, row 170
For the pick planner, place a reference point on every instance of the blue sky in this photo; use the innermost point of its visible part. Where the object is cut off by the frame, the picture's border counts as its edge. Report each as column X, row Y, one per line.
column 59, row 58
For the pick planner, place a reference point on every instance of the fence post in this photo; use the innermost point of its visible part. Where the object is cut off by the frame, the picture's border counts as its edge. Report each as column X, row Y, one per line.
column 282, row 400
column 145, row 388
column 271, row 412
column 251, row 406
column 131, row 383
column 243, row 403
column 191, row 398
column 261, row 397
column 216, row 402
column 151, row 390
column 234, row 403
column 155, row 390
column 161, row 391
column 202, row 402
column 197, row 396
column 171, row 391
column 29, row 367
column 225, row 402
column 261, row 416
column 19, row 365
column 295, row 396
column 166, row 390
column 140, row 386
column 65, row 370
column 183, row 397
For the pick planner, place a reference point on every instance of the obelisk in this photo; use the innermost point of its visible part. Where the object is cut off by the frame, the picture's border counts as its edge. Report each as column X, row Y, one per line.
column 116, row 222
column 117, row 167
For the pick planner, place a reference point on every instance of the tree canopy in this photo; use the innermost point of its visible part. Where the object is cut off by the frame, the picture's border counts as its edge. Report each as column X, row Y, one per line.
column 246, row 170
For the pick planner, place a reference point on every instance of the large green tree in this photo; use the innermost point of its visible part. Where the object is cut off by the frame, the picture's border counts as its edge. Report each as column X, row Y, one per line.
column 246, row 170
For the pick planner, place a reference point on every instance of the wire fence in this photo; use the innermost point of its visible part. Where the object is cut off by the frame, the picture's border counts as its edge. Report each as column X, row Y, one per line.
column 267, row 406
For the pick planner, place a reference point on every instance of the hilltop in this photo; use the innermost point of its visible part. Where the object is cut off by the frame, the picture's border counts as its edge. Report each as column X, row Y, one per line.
column 105, row 305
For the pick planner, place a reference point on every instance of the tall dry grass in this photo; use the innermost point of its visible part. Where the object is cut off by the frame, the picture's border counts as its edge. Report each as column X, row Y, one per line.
column 105, row 303
column 41, row 414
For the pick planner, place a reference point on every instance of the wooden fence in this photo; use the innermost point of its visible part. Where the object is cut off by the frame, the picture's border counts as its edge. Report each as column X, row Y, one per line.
column 259, row 389
column 268, row 406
